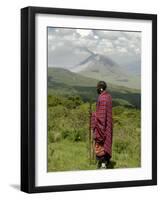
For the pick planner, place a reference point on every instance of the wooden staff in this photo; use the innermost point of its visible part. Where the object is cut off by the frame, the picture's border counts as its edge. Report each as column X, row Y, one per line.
column 92, row 147
column 90, row 114
column 91, row 141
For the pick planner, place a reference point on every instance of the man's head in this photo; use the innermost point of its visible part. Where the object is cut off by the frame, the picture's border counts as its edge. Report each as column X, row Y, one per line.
column 101, row 86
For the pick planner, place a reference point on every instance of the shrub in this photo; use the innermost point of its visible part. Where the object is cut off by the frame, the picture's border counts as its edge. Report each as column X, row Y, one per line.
column 121, row 146
column 74, row 134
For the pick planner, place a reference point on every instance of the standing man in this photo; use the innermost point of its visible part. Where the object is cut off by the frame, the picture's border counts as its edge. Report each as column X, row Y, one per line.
column 102, row 126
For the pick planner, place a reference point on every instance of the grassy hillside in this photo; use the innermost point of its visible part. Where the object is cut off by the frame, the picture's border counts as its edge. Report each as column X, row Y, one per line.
column 60, row 75
column 64, row 82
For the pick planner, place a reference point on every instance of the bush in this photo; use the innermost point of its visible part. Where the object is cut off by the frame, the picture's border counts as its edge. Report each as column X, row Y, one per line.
column 69, row 102
column 121, row 146
column 80, row 135
column 74, row 134
column 73, row 102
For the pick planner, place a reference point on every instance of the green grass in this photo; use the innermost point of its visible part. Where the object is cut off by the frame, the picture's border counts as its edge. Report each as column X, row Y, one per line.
column 67, row 155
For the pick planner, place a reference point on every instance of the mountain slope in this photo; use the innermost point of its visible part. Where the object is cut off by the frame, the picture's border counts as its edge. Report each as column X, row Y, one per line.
column 64, row 82
column 65, row 76
column 102, row 67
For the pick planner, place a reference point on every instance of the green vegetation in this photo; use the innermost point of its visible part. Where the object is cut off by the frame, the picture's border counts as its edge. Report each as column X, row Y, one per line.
column 69, row 95
column 68, row 126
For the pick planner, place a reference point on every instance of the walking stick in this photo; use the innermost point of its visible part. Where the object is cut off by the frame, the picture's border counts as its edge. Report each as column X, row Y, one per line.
column 91, row 141
column 90, row 114
column 92, row 147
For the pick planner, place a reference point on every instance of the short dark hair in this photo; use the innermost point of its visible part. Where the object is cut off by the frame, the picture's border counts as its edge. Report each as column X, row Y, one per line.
column 102, row 84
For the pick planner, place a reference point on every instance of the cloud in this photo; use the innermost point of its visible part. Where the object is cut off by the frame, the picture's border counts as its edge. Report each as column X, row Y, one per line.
column 83, row 32
column 68, row 46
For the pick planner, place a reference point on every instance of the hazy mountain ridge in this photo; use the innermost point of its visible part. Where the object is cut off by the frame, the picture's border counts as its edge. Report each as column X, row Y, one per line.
column 93, row 62
column 104, row 68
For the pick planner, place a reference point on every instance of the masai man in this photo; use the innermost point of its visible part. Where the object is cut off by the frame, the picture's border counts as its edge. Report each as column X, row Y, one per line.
column 102, row 126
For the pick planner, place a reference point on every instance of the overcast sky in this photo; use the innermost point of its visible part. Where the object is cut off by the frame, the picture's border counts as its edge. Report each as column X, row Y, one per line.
column 68, row 47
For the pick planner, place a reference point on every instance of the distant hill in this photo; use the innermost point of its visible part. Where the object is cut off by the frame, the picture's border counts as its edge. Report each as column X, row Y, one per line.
column 64, row 82
column 102, row 67
column 65, row 76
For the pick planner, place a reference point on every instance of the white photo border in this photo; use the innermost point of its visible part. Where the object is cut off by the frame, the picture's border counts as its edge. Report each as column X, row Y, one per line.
column 44, row 178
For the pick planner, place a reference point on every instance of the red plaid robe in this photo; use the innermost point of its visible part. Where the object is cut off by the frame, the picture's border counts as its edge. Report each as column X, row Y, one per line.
column 101, row 122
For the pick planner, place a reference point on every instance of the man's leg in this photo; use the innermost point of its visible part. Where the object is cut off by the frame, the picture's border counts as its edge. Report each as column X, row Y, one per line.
column 107, row 160
column 99, row 161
